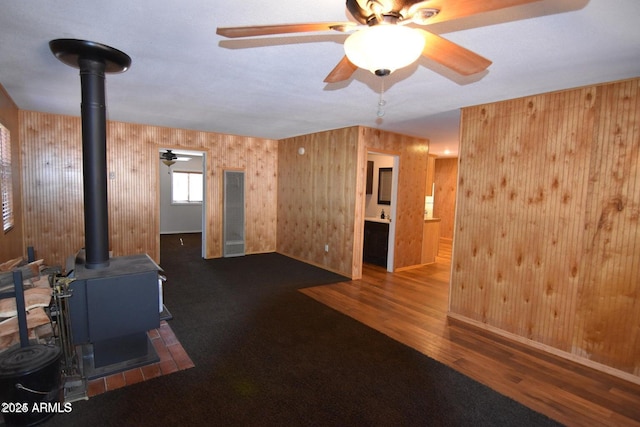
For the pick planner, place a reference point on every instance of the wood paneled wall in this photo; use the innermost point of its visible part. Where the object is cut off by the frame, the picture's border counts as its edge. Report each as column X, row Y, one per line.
column 547, row 239
column 321, row 196
column 444, row 207
column 53, row 194
column 11, row 242
column 317, row 198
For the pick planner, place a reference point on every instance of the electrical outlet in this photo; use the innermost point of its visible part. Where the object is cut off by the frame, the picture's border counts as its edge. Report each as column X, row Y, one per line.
column 326, row 247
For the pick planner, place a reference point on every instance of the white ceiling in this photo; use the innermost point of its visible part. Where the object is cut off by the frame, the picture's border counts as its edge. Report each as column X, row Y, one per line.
column 183, row 75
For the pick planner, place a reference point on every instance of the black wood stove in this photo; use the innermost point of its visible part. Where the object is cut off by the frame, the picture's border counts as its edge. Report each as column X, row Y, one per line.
column 114, row 301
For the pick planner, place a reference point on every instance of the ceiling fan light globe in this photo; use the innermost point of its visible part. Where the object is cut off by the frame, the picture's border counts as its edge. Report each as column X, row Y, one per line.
column 384, row 47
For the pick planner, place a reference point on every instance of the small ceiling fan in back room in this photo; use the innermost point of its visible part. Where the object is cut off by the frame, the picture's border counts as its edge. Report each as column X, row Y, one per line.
column 381, row 41
column 169, row 158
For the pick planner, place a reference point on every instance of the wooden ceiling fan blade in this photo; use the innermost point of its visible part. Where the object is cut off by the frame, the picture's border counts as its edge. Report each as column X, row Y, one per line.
column 343, row 71
column 264, row 30
column 454, row 9
column 453, row 56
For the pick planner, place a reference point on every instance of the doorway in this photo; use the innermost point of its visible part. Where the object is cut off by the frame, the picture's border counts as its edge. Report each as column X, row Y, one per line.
column 380, row 203
column 183, row 195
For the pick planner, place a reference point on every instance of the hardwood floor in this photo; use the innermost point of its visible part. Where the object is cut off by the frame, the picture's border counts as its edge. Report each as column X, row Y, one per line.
column 411, row 307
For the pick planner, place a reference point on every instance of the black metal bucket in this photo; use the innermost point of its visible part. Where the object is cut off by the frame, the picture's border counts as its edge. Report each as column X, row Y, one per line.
column 29, row 377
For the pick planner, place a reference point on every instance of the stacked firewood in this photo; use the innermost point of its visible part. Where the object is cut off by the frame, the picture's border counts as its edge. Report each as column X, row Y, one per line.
column 37, row 296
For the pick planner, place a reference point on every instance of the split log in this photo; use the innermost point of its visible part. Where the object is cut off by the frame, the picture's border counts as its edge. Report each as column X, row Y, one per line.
column 41, row 282
column 35, row 317
column 11, row 264
column 35, row 297
column 7, row 341
column 28, row 271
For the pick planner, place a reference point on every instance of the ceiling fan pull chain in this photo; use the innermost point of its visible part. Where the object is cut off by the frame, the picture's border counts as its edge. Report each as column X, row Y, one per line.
column 381, row 101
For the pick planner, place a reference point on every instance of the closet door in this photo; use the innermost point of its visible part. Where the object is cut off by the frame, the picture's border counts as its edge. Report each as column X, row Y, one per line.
column 233, row 213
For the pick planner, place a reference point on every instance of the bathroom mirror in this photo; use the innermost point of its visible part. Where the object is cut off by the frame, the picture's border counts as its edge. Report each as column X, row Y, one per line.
column 384, row 186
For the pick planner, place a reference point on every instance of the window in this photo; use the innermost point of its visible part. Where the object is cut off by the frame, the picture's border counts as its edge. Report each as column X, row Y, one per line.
column 186, row 187
column 6, row 184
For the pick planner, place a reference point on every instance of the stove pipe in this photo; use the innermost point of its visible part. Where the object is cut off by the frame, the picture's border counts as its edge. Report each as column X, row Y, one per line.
column 93, row 60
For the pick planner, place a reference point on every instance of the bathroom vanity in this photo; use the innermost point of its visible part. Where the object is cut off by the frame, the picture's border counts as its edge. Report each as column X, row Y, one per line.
column 376, row 241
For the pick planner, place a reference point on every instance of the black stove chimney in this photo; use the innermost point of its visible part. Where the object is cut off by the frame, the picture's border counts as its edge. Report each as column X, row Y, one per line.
column 93, row 60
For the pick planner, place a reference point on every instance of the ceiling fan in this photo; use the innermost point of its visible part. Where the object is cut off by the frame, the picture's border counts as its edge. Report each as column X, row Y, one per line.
column 382, row 42
column 169, row 158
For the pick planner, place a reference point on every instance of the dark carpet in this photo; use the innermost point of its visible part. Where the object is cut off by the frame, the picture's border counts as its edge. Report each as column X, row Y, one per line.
column 267, row 355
